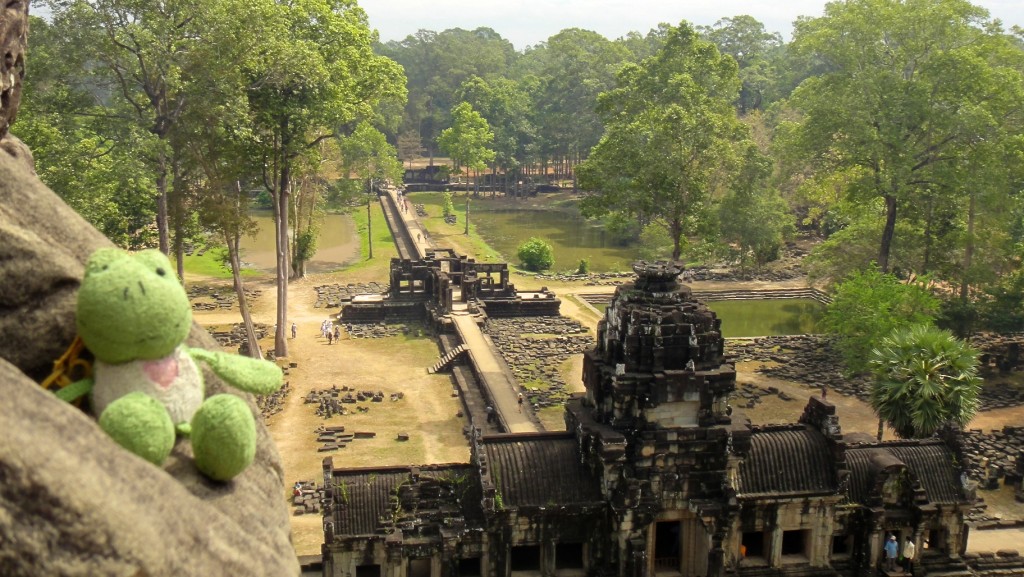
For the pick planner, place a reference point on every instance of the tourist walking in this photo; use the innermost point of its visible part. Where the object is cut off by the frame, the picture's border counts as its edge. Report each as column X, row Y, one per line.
column 330, row 338
column 891, row 547
column 490, row 414
column 337, row 333
column 908, row 555
column 295, row 330
column 520, row 402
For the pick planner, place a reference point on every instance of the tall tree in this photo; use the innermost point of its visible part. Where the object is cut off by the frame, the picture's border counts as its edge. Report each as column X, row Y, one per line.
column 924, row 378
column 506, row 108
column 468, row 139
column 316, row 78
column 908, row 86
column 755, row 51
column 147, row 46
column 670, row 136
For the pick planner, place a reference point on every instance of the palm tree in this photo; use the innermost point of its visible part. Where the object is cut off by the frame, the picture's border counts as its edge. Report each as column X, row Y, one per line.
column 924, row 377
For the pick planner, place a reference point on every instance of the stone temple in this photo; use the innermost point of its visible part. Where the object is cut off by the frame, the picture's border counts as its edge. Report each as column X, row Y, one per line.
column 655, row 475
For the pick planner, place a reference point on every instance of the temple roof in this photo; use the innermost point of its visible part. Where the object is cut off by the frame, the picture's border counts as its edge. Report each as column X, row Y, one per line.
column 931, row 462
column 542, row 469
column 366, row 498
column 792, row 461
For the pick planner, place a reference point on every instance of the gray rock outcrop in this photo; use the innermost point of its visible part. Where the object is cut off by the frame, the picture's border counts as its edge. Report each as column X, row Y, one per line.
column 72, row 502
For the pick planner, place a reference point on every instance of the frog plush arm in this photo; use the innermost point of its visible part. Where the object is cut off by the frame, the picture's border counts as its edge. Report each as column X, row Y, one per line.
column 75, row 390
column 251, row 375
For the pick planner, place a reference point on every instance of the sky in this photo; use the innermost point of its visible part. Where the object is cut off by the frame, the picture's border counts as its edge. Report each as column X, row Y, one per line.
column 528, row 22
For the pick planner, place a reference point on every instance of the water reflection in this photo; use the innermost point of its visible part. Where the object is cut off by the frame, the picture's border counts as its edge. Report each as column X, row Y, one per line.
column 571, row 236
column 762, row 317
column 338, row 244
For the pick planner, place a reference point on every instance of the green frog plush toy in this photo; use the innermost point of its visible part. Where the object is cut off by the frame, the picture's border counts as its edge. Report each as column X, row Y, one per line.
column 146, row 388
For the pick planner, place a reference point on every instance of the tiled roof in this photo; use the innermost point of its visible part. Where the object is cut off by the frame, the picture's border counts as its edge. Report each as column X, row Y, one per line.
column 365, row 498
column 539, row 469
column 787, row 462
column 931, row 462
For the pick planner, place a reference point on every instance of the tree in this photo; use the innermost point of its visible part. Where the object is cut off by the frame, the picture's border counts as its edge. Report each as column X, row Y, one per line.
column 923, row 378
column 908, row 86
column 467, row 140
column 869, row 306
column 754, row 49
column 753, row 216
column 670, row 135
column 575, row 67
column 536, row 255
column 506, row 108
column 320, row 82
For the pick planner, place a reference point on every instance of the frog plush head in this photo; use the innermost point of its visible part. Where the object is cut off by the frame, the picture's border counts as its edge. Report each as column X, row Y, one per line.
column 131, row 306
column 147, row 388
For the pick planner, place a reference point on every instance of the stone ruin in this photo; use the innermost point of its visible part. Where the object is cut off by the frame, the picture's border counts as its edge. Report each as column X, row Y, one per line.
column 655, row 474
column 212, row 298
column 270, row 405
column 428, row 289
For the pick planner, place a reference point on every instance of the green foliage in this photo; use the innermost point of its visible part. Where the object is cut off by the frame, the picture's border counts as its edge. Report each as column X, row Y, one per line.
column 367, row 154
column 621, row 228
column 753, row 216
column 447, row 206
column 912, row 96
column 670, row 136
column 305, row 244
column 536, row 255
column 655, row 243
column 924, row 378
column 870, row 305
column 468, row 138
column 583, row 267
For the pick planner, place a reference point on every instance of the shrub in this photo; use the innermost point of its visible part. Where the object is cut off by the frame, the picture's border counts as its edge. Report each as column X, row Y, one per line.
column 536, row 255
column 584, row 266
column 448, row 207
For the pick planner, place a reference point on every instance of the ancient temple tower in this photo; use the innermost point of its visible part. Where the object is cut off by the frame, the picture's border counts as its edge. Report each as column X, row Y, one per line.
column 656, row 426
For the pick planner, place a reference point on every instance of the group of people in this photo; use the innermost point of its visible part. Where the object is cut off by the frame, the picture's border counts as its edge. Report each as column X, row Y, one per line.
column 906, row 559
column 330, row 331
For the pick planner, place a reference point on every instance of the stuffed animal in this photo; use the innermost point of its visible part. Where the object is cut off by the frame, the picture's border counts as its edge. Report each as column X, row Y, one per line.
column 146, row 387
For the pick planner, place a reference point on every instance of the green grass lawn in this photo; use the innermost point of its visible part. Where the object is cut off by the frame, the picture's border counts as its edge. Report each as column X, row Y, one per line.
column 383, row 246
column 210, row 265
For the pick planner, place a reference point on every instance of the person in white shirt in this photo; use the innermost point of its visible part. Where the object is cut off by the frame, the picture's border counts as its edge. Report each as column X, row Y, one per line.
column 908, row 556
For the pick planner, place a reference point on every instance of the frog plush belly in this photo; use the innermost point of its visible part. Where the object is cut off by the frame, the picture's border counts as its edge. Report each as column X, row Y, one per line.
column 174, row 380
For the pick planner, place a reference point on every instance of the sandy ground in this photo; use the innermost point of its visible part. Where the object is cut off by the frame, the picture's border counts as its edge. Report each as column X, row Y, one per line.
column 396, row 364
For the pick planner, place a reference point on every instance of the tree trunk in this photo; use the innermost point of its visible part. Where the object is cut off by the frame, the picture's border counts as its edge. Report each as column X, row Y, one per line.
column 177, row 216
column 281, row 230
column 968, row 250
column 232, row 240
column 887, row 233
column 162, row 228
column 676, row 230
column 881, row 428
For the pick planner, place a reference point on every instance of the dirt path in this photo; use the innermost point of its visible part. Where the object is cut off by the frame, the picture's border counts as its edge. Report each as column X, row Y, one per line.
column 427, row 413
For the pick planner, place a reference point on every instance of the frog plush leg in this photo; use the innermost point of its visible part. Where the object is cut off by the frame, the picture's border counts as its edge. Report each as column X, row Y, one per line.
column 141, row 424
column 223, row 437
column 251, row 375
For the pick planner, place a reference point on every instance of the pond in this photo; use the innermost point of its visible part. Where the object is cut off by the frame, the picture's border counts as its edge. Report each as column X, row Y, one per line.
column 571, row 236
column 337, row 246
column 765, row 317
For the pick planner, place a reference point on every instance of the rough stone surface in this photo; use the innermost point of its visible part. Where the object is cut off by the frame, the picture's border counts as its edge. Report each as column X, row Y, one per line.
column 72, row 502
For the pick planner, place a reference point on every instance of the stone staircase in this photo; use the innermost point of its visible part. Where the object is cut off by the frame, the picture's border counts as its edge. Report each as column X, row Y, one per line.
column 942, row 566
column 1004, row 563
column 447, row 359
